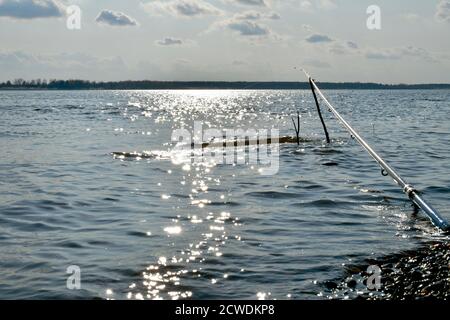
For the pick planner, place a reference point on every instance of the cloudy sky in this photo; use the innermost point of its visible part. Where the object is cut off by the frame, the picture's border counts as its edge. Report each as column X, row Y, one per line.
column 257, row 40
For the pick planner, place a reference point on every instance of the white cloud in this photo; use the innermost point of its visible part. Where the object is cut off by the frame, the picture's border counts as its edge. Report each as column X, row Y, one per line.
column 31, row 9
column 273, row 16
column 399, row 53
column 181, row 8
column 248, row 28
column 326, row 4
column 255, row 15
column 311, row 6
column 307, row 27
column 420, row 53
column 169, row 41
column 259, row 3
column 249, row 24
column 334, row 46
column 114, row 18
column 443, row 11
column 306, row 6
column 379, row 54
column 352, row 45
column 318, row 38
column 339, row 47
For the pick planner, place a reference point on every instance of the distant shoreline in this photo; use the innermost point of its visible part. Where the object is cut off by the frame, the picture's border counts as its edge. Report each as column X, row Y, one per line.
column 206, row 85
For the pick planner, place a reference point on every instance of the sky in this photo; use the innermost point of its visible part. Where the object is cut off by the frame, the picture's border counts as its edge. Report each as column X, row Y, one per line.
column 226, row 40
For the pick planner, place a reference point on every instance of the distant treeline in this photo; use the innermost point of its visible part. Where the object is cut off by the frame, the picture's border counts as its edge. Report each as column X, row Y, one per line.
column 20, row 84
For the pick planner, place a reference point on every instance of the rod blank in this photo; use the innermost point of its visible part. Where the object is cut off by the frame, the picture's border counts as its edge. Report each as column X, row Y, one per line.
column 409, row 190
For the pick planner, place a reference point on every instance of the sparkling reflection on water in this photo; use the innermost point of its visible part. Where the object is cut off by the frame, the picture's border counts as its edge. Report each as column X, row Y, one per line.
column 166, row 227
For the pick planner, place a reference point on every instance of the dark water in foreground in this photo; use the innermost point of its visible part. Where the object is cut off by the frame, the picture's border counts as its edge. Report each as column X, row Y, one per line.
column 158, row 228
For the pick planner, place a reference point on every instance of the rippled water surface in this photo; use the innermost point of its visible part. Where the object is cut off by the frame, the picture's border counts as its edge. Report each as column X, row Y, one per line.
column 165, row 228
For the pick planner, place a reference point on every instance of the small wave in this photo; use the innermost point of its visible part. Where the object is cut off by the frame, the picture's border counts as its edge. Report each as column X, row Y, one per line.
column 272, row 194
column 138, row 234
column 416, row 274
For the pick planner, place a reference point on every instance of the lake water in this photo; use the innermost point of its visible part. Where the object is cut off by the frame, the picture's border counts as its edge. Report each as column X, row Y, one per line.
column 159, row 228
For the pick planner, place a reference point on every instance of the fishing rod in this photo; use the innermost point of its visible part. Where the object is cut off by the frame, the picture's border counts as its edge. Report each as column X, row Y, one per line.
column 387, row 170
